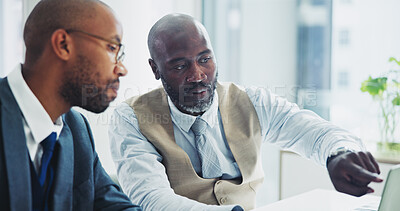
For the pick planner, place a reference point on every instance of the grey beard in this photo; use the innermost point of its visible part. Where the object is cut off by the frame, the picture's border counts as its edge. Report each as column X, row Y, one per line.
column 199, row 108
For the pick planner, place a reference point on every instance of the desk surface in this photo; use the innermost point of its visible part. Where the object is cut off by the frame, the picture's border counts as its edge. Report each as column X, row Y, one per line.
column 318, row 200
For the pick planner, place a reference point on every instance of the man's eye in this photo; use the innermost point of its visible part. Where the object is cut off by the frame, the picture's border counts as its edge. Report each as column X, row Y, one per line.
column 112, row 48
column 179, row 67
column 205, row 60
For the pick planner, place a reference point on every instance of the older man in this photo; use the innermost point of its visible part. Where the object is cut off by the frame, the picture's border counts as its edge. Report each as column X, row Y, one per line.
column 47, row 155
column 195, row 143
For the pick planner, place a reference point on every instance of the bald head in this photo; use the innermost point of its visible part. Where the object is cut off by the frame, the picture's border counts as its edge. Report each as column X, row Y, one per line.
column 183, row 59
column 173, row 26
column 50, row 15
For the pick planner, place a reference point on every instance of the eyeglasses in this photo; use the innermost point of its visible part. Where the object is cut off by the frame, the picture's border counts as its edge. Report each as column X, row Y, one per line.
column 119, row 56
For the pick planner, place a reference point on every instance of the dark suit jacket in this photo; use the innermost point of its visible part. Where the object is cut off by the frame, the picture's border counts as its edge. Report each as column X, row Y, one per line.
column 80, row 182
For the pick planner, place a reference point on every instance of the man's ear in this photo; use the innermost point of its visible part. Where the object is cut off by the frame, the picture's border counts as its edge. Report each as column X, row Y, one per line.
column 61, row 44
column 154, row 68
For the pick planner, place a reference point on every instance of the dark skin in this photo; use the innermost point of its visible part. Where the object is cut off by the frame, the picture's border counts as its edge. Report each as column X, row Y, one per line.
column 186, row 59
column 178, row 45
column 352, row 172
column 60, row 56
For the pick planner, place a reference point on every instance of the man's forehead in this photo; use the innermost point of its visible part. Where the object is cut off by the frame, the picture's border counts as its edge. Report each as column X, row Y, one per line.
column 180, row 43
column 181, row 37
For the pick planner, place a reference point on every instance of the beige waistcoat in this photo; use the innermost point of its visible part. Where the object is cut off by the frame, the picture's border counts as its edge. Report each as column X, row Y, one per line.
column 243, row 134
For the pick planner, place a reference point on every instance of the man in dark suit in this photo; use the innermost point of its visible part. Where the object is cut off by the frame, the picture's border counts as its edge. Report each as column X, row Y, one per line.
column 47, row 157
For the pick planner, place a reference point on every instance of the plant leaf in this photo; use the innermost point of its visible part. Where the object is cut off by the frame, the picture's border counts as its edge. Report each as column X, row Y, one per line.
column 396, row 101
column 391, row 59
column 374, row 86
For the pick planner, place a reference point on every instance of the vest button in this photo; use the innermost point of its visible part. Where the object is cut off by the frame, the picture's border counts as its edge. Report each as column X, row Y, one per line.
column 222, row 200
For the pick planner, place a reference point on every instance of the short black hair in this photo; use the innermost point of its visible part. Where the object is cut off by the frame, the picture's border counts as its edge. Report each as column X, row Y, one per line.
column 50, row 15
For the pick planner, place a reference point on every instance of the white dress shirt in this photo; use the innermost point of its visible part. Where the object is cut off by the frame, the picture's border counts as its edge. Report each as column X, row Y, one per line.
column 142, row 175
column 36, row 121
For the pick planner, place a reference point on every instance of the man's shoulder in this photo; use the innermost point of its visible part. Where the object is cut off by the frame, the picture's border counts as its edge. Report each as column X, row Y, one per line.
column 226, row 83
column 79, row 128
column 72, row 114
column 251, row 90
column 6, row 96
column 152, row 95
column 75, row 120
column 229, row 88
column 4, row 86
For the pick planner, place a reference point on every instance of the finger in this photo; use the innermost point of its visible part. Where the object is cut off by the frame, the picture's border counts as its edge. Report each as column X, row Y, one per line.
column 373, row 161
column 359, row 160
column 346, row 187
column 363, row 175
column 359, row 183
column 367, row 162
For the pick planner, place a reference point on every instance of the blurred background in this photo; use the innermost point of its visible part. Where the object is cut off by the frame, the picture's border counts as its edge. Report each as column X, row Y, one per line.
column 312, row 52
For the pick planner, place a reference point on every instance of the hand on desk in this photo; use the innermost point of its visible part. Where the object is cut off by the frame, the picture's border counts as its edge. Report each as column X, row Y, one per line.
column 351, row 172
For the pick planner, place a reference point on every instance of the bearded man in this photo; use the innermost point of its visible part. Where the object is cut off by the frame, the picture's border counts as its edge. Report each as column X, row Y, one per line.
column 195, row 143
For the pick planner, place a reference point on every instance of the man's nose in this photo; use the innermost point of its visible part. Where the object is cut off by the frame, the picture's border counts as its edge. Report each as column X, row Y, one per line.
column 120, row 69
column 196, row 75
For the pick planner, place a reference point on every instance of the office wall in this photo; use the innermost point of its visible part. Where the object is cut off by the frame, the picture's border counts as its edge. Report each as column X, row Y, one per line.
column 268, row 59
column 11, row 44
column 268, row 56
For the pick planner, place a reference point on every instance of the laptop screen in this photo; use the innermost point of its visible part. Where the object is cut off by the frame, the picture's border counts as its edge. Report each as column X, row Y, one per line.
column 391, row 193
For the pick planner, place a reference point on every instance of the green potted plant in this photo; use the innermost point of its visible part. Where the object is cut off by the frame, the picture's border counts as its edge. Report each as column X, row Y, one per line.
column 386, row 91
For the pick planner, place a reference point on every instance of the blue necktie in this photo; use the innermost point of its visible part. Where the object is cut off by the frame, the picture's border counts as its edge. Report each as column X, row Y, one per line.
column 48, row 147
column 210, row 165
column 43, row 179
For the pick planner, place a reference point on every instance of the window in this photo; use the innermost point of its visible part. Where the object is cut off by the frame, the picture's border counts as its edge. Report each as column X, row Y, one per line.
column 314, row 55
column 343, row 79
column 344, row 2
column 366, row 28
column 223, row 20
column 344, row 39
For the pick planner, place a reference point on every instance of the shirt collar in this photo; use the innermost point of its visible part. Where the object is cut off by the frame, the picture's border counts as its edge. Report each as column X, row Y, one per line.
column 185, row 121
column 35, row 115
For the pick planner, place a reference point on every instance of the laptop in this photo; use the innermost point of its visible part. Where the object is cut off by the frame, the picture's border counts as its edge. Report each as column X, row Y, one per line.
column 390, row 200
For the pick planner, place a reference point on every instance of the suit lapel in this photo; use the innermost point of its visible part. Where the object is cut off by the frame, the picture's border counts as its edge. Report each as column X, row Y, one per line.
column 15, row 151
column 64, row 171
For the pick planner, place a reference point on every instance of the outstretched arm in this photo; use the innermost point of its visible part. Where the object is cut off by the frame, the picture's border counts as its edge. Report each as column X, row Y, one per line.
column 304, row 132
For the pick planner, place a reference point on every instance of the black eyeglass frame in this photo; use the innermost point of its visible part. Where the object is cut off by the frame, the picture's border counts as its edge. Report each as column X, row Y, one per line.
column 119, row 56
